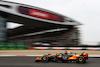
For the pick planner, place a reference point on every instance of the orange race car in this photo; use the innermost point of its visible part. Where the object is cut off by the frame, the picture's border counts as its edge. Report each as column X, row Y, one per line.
column 64, row 57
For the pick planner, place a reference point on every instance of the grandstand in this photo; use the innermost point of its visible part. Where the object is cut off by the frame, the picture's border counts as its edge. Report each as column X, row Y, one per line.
column 40, row 26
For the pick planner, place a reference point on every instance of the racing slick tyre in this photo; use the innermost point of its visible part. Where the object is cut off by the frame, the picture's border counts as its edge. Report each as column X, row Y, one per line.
column 45, row 58
column 80, row 59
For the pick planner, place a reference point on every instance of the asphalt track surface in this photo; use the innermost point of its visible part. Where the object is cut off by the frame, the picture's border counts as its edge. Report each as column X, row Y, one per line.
column 30, row 62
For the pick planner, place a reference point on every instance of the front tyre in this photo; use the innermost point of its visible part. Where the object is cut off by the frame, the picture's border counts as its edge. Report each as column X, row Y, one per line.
column 45, row 58
column 81, row 59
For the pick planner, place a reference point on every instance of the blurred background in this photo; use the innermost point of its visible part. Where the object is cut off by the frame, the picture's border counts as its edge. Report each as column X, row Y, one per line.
column 38, row 33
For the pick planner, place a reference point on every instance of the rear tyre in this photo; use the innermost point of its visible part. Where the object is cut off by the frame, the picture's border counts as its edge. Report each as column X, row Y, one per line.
column 45, row 58
column 81, row 59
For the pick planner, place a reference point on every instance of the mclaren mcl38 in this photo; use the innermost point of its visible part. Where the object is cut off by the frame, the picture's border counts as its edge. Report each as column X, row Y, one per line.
column 64, row 57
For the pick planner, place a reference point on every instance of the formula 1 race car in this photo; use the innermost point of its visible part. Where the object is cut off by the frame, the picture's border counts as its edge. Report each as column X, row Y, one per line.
column 64, row 57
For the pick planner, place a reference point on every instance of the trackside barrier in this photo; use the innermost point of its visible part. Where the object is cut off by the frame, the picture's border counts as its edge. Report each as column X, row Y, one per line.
column 65, row 48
